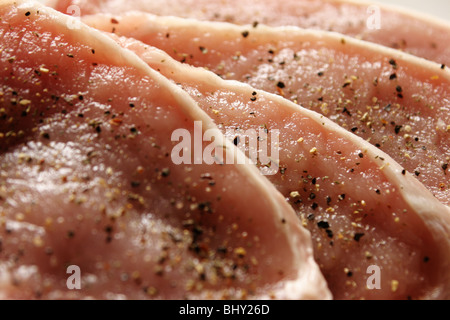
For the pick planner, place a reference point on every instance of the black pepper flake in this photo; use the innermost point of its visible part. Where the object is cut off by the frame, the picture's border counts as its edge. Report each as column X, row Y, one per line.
column 443, row 66
column 426, row 259
column 361, row 155
column 108, row 229
column 314, row 181
column 205, row 207
column 341, row 196
column 131, row 105
column 253, row 98
column 397, row 129
column 206, row 176
column 314, row 206
column 255, row 24
column 354, row 129
column 245, row 34
column 378, row 191
column 398, row 89
column 310, row 217
column 393, row 76
column 135, row 184
column 281, row 85
column 328, row 200
column 98, row 129
column 345, row 85
column 320, row 74
column 388, row 107
column 349, row 274
column 45, row 135
column 312, row 196
column 403, row 172
column 393, row 63
column 222, row 250
column 323, row 225
column 445, row 167
column 165, row 172
column 133, row 130
column 417, row 173
column 329, row 233
column 70, row 55
column 345, row 110
column 236, row 141
column 358, row 236
column 70, row 234
column 27, row 13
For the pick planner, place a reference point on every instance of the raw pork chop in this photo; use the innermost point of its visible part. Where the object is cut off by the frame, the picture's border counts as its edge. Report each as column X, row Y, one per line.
column 399, row 103
column 86, row 179
column 394, row 27
column 363, row 210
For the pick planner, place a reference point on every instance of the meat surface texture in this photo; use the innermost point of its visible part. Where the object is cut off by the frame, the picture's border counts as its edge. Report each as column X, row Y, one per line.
column 86, row 179
column 394, row 27
column 397, row 102
column 363, row 210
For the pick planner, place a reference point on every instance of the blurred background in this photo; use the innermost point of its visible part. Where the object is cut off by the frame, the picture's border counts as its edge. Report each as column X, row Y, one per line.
column 439, row 8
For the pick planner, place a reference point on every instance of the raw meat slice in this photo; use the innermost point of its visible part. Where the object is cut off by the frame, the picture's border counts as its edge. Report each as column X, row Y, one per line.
column 396, row 101
column 415, row 33
column 364, row 211
column 86, row 179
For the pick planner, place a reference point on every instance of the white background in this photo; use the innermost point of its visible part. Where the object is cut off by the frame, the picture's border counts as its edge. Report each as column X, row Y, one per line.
column 439, row 8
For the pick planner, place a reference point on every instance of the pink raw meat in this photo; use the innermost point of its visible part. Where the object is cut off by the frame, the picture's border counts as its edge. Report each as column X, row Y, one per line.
column 361, row 207
column 86, row 179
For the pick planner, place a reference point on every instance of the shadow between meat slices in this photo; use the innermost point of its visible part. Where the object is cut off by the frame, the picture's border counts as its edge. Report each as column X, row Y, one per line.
column 396, row 101
column 410, row 31
column 87, row 180
column 364, row 210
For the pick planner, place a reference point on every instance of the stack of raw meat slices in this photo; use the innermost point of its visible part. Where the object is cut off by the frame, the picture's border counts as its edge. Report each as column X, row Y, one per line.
column 223, row 149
